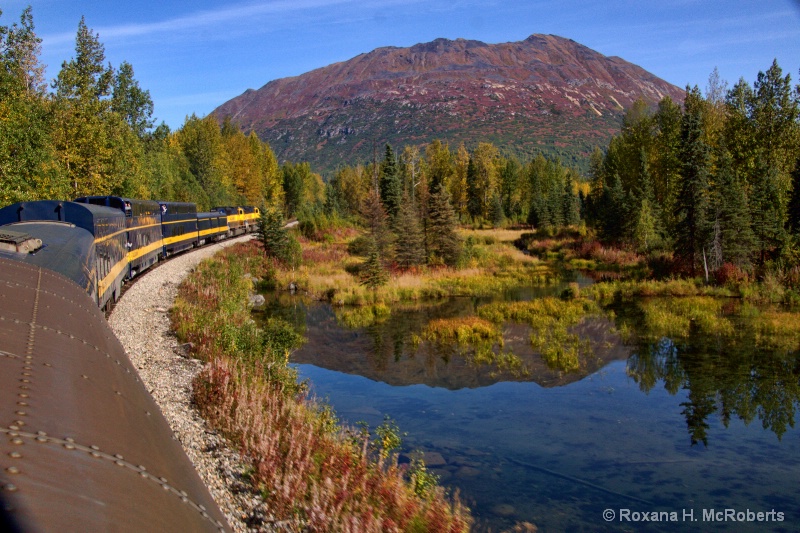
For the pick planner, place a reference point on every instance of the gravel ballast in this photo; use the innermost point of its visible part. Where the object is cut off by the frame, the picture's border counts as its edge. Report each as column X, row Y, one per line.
column 141, row 322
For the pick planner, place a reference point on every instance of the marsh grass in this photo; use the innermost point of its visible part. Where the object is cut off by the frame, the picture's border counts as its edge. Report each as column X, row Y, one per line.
column 675, row 317
column 315, row 474
column 477, row 340
column 550, row 320
column 491, row 264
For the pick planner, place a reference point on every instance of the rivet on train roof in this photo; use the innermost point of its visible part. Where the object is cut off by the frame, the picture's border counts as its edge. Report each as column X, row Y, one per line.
column 15, row 455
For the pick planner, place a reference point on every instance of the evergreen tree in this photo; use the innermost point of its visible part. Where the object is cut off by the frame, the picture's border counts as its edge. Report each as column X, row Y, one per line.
column 409, row 240
column 693, row 224
column 377, row 222
column 613, row 211
column 272, row 233
column 474, row 195
column 735, row 235
column 131, row 102
column 372, row 273
column 444, row 241
column 391, row 187
column 766, row 215
column 496, row 213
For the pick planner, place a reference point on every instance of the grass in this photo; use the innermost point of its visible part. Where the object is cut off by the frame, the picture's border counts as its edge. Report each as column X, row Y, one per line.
column 550, row 320
column 315, row 474
column 490, row 264
column 478, row 340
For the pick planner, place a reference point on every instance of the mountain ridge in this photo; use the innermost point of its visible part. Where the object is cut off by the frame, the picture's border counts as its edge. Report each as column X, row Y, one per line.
column 544, row 94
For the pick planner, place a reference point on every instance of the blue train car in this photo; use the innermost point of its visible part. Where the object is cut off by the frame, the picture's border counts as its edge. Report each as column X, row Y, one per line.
column 107, row 227
column 179, row 226
column 60, row 247
column 143, row 222
column 211, row 227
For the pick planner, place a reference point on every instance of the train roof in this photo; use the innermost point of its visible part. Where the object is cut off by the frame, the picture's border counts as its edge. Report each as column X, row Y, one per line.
column 86, row 216
column 63, row 248
column 173, row 208
column 85, row 447
column 130, row 205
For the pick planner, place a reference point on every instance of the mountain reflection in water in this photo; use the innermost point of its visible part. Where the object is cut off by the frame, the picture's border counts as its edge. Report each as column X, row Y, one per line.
column 386, row 352
column 705, row 421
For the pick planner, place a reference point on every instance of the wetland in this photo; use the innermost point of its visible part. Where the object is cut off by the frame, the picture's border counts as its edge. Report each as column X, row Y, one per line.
column 546, row 404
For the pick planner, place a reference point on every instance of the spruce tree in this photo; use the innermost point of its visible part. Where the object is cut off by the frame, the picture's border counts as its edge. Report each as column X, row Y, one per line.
column 444, row 241
column 272, row 234
column 372, row 273
column 736, row 239
column 474, row 194
column 496, row 212
column 377, row 222
column 613, row 211
column 766, row 214
column 409, row 241
column 693, row 225
column 391, row 186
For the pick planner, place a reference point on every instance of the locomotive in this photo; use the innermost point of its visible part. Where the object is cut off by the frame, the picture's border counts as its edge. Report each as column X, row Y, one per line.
column 83, row 446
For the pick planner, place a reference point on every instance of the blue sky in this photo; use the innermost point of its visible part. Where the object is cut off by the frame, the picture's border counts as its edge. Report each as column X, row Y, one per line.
column 194, row 55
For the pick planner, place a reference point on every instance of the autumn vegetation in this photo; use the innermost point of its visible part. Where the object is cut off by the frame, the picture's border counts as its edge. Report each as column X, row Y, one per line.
column 696, row 200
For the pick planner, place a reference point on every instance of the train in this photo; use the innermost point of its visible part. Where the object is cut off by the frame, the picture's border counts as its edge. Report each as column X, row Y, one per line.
column 83, row 446
column 101, row 242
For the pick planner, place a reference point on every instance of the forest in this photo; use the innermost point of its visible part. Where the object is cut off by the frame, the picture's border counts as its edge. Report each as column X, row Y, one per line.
column 711, row 184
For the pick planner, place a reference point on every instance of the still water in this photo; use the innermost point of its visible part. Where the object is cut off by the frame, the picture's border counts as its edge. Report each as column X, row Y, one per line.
column 691, row 429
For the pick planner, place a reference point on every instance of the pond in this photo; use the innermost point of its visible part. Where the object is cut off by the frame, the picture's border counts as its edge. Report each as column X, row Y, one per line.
column 693, row 428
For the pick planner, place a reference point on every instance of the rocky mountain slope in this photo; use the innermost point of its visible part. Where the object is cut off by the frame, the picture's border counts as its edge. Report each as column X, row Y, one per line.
column 544, row 94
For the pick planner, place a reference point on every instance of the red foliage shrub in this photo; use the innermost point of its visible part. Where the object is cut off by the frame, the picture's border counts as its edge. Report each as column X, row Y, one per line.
column 729, row 273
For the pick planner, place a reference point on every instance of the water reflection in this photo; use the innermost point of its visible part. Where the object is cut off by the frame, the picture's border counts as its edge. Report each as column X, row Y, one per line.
column 736, row 373
column 555, row 448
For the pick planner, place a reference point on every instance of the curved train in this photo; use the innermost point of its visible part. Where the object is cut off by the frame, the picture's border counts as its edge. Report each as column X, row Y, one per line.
column 100, row 242
column 83, row 446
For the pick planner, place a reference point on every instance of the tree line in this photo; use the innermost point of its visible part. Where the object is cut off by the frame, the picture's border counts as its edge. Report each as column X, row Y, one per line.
column 714, row 181
column 91, row 131
column 711, row 181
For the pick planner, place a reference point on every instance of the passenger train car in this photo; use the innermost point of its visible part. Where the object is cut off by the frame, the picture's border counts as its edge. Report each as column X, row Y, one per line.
column 83, row 446
column 129, row 235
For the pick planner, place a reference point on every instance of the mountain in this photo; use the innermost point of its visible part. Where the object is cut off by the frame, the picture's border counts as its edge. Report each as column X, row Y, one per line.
column 544, row 94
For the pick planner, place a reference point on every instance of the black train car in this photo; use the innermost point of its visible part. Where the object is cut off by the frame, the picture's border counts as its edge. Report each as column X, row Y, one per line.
column 83, row 446
column 179, row 226
column 143, row 222
column 107, row 227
